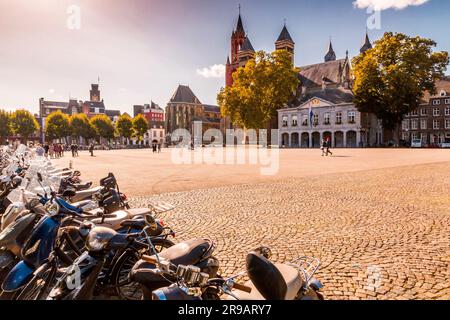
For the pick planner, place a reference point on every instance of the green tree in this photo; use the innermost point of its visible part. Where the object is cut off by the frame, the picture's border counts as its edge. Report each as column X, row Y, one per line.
column 392, row 77
column 103, row 126
column 124, row 126
column 140, row 127
column 23, row 123
column 81, row 127
column 57, row 126
column 265, row 84
column 5, row 126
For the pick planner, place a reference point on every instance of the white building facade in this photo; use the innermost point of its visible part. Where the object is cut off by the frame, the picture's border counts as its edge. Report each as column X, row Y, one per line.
column 307, row 125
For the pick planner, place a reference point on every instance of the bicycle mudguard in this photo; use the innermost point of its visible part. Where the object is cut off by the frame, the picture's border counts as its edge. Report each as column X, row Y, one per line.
column 17, row 277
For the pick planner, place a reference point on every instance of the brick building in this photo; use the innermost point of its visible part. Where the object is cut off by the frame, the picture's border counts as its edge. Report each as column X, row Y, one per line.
column 431, row 121
column 156, row 122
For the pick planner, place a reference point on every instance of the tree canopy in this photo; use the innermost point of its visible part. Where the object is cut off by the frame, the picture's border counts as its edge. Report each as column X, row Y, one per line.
column 103, row 125
column 5, row 125
column 124, row 126
column 81, row 127
column 265, row 84
column 57, row 126
column 23, row 123
column 392, row 77
column 140, row 126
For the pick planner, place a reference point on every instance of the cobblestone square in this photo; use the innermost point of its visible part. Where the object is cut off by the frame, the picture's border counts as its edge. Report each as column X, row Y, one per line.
column 379, row 220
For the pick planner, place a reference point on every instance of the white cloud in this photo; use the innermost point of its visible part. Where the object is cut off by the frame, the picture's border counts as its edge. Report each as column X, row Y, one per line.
column 215, row 71
column 380, row 5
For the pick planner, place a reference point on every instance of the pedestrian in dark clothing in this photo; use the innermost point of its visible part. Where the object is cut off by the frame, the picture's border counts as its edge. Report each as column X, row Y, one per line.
column 46, row 148
column 159, row 147
column 91, row 149
column 329, row 147
column 76, row 150
column 72, row 148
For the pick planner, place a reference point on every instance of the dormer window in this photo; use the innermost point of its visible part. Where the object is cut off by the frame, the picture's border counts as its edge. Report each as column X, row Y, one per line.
column 436, row 102
column 443, row 93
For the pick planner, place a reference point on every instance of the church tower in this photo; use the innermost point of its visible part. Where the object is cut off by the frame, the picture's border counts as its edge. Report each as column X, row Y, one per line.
column 246, row 52
column 367, row 45
column 95, row 93
column 331, row 55
column 285, row 42
column 238, row 38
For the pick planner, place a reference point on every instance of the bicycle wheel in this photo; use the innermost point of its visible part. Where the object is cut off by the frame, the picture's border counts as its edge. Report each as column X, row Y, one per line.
column 124, row 287
column 40, row 285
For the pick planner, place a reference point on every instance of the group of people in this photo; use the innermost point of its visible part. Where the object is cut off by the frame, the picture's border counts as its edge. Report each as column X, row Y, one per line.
column 74, row 148
column 54, row 150
column 156, row 147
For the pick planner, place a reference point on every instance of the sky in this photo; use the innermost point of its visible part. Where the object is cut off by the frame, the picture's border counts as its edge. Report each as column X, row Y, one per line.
column 141, row 50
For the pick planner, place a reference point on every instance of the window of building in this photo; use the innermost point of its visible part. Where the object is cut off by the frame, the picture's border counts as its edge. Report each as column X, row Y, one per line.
column 285, row 121
column 405, row 136
column 316, row 119
column 436, row 112
column 352, row 117
column 447, row 123
column 424, row 112
column 305, row 121
column 161, row 134
column 423, row 124
column 414, row 124
column 415, row 113
column 414, row 136
column 339, row 118
column 447, row 111
column 327, row 119
column 436, row 124
column 436, row 102
column 424, row 137
column 405, row 125
column 154, row 134
column 294, row 121
column 447, row 101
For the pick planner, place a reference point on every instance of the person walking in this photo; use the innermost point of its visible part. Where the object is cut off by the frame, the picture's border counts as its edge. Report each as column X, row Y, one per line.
column 72, row 148
column 76, row 150
column 329, row 147
column 51, row 151
column 47, row 149
column 159, row 147
column 91, row 149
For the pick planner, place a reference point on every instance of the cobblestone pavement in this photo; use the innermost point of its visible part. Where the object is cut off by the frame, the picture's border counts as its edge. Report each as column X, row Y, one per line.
column 381, row 234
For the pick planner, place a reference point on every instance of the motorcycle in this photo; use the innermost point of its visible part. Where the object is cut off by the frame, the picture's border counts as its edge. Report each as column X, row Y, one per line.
column 104, row 267
column 196, row 252
column 268, row 281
